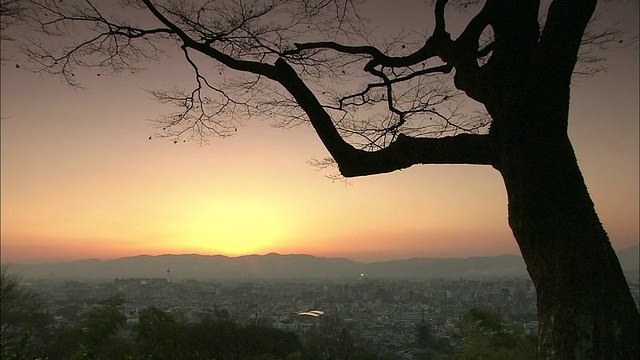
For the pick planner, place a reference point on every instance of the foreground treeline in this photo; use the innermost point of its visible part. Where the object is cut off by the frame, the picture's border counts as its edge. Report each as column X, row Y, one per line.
column 104, row 334
column 28, row 332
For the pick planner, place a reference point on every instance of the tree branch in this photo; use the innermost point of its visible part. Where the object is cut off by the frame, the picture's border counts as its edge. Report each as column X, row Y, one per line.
column 402, row 153
column 427, row 51
column 562, row 36
column 205, row 48
column 378, row 57
column 407, row 151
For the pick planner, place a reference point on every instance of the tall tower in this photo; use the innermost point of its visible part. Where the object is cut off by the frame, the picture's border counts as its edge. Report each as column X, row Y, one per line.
column 424, row 333
column 168, row 275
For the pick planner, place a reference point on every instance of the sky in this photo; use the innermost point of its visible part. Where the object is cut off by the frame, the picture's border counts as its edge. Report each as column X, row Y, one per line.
column 80, row 179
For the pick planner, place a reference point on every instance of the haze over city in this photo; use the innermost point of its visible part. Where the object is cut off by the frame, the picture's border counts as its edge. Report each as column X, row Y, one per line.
column 81, row 178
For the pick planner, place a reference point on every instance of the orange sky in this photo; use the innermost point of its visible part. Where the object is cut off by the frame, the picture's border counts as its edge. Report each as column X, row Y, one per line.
column 79, row 179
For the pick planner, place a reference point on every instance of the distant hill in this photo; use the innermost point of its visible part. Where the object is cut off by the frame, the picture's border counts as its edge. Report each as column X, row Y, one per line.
column 276, row 266
column 194, row 266
column 503, row 265
column 630, row 258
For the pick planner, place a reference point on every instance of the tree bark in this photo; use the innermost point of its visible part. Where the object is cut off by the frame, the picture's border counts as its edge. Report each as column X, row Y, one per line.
column 585, row 308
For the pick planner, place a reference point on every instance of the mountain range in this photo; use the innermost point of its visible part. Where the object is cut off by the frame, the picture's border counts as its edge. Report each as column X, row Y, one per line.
column 277, row 266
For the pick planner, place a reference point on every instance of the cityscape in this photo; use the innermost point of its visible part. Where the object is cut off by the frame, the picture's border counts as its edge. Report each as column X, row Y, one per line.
column 392, row 318
column 381, row 315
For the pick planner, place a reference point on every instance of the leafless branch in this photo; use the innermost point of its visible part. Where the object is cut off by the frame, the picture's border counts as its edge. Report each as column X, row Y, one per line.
column 374, row 90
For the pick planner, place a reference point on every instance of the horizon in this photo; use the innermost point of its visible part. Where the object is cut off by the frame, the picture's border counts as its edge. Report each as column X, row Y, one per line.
column 62, row 261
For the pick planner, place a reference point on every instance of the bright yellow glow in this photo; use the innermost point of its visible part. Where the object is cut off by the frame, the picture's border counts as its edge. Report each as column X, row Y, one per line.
column 232, row 227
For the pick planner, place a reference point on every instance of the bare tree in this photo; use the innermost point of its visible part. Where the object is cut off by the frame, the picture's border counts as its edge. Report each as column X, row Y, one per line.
column 22, row 318
column 11, row 12
column 380, row 106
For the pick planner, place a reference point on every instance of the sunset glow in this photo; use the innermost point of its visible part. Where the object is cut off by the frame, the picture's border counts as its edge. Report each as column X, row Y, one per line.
column 81, row 179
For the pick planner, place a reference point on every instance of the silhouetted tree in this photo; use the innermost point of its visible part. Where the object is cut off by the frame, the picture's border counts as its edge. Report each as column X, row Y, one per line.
column 211, row 339
column 487, row 335
column 99, row 328
column 11, row 12
column 293, row 60
column 263, row 342
column 24, row 322
column 329, row 339
column 157, row 333
column 67, row 340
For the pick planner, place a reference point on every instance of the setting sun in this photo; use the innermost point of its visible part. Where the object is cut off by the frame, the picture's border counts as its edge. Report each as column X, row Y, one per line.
column 232, row 226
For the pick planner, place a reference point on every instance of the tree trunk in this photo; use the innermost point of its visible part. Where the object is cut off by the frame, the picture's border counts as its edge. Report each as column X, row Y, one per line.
column 585, row 307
